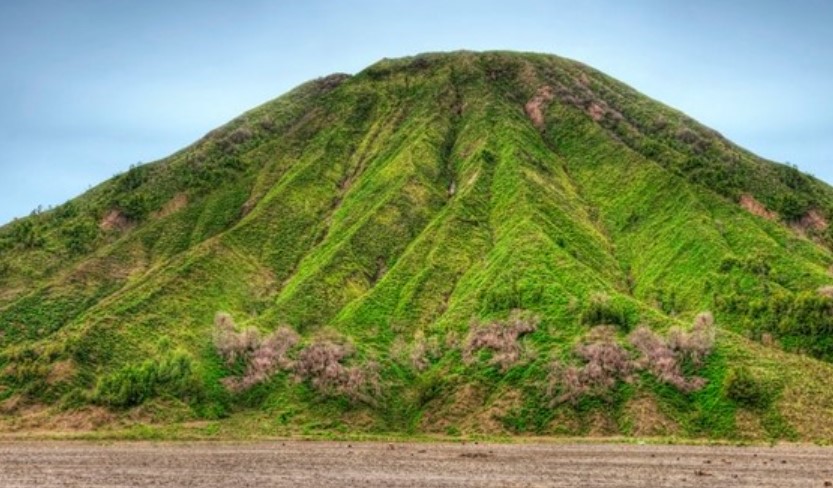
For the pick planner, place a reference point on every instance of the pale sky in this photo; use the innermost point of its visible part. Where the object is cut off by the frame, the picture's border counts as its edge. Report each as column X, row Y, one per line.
column 89, row 87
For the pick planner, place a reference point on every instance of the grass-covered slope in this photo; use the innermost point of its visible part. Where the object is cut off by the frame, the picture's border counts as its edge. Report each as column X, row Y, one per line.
column 454, row 243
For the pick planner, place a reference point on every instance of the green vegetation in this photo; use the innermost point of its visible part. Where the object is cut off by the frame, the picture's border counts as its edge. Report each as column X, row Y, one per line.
column 748, row 391
column 132, row 385
column 462, row 244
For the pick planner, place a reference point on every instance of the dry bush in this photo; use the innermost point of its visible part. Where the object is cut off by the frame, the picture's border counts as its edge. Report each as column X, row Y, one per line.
column 423, row 351
column 664, row 358
column 322, row 364
column 229, row 343
column 501, row 338
column 566, row 384
column 262, row 356
column 606, row 362
column 659, row 358
column 698, row 343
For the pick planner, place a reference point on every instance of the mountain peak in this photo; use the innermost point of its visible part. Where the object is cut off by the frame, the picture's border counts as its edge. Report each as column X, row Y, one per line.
column 457, row 242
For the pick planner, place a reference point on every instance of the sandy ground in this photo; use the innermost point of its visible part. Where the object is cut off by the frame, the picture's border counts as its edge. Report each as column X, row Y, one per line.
column 341, row 464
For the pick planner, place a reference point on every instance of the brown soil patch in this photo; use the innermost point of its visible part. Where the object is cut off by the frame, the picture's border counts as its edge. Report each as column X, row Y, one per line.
column 464, row 401
column 38, row 418
column 753, row 206
column 809, row 413
column 60, row 372
column 596, row 111
column 114, row 220
column 359, row 419
column 749, row 425
column 86, row 419
column 489, row 420
column 11, row 404
column 536, row 105
column 92, row 271
column 826, row 291
column 247, row 207
column 814, row 220
column 565, row 422
column 10, row 293
column 174, row 205
column 648, row 419
column 600, row 424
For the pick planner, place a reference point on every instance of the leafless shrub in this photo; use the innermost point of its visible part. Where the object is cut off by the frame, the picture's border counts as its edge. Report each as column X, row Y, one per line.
column 664, row 357
column 501, row 338
column 423, row 351
column 322, row 365
column 605, row 363
column 606, row 359
column 226, row 340
column 698, row 343
column 658, row 358
column 566, row 384
column 262, row 356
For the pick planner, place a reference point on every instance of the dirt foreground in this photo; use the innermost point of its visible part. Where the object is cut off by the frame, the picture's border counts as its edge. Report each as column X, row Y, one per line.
column 344, row 464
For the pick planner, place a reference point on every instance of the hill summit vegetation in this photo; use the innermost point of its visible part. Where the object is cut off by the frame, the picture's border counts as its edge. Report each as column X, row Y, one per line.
column 460, row 243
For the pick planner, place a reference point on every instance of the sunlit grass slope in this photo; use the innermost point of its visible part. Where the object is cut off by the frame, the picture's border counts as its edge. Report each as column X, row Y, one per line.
column 395, row 218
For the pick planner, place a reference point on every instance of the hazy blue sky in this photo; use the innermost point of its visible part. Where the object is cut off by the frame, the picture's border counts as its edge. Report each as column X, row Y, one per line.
column 88, row 88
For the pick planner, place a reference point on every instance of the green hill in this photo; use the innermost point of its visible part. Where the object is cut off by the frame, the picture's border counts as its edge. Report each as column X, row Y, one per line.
column 462, row 243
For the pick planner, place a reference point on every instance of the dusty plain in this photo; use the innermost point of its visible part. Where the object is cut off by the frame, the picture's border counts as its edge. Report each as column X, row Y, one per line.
column 380, row 464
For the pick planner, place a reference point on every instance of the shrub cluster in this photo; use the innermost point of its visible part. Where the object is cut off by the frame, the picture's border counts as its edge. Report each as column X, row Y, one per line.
column 747, row 390
column 79, row 236
column 322, row 364
column 261, row 356
column 605, row 361
column 134, row 384
column 665, row 357
column 802, row 322
column 603, row 310
column 501, row 338
column 423, row 352
column 26, row 234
